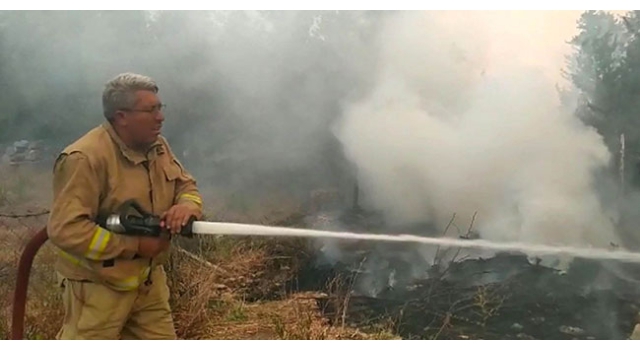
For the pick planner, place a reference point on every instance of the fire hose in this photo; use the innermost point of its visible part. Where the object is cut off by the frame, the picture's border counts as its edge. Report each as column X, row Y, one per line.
column 22, row 282
column 132, row 220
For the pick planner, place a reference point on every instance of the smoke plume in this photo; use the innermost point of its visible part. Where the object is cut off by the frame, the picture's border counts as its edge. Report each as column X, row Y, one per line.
column 440, row 133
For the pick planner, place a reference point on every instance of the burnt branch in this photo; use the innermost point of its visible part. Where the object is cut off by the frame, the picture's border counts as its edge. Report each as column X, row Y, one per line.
column 453, row 217
column 468, row 235
column 444, row 233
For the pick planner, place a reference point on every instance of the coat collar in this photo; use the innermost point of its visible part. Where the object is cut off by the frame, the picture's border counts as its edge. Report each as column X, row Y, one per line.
column 157, row 148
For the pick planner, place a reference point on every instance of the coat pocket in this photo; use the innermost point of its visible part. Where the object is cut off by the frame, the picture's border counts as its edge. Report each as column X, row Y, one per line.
column 171, row 171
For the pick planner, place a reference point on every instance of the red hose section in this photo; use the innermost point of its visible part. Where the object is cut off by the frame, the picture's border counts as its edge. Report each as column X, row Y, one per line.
column 22, row 282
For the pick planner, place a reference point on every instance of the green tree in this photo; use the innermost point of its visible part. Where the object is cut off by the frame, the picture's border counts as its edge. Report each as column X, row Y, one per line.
column 604, row 70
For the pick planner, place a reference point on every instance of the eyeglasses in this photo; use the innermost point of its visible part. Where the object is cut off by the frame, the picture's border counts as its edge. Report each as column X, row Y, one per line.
column 155, row 109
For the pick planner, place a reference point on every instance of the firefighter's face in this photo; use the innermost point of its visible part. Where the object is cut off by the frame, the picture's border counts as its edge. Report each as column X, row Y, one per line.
column 143, row 121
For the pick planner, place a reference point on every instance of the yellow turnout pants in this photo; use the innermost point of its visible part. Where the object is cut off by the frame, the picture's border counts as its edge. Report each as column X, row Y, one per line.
column 94, row 311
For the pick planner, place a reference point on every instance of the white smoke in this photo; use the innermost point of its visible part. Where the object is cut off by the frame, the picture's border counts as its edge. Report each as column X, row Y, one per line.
column 441, row 134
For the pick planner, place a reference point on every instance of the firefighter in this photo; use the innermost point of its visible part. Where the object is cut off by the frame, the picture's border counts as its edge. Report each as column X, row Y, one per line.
column 114, row 285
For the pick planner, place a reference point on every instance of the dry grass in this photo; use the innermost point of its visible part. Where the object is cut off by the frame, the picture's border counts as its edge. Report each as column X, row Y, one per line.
column 25, row 187
column 296, row 317
column 43, row 302
column 222, row 287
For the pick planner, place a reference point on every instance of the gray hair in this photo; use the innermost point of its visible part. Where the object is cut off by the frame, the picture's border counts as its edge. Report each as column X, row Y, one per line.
column 120, row 91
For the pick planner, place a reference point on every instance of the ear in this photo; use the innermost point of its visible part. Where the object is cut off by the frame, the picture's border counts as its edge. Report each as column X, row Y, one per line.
column 120, row 118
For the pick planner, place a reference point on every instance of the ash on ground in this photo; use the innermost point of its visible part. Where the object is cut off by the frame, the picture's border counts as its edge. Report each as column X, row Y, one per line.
column 490, row 296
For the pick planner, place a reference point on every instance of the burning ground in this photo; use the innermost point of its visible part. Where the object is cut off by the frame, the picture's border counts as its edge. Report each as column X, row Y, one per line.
column 456, row 294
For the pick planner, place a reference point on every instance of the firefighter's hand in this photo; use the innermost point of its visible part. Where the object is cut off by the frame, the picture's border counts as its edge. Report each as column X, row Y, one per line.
column 150, row 247
column 177, row 217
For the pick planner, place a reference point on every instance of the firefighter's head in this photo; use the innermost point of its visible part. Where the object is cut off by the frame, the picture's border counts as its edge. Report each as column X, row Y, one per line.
column 131, row 104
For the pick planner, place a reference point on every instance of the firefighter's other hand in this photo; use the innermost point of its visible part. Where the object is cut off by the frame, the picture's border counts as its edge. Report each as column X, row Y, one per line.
column 177, row 217
column 150, row 247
